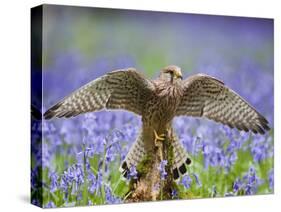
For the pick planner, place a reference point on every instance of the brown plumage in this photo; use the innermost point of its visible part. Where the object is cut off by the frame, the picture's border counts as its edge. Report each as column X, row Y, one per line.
column 158, row 102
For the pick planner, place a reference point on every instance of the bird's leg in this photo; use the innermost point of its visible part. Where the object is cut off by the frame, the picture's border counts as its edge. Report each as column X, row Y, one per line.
column 158, row 138
column 158, row 141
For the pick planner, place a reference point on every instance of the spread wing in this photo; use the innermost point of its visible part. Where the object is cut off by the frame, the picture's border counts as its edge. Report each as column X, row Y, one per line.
column 121, row 89
column 205, row 96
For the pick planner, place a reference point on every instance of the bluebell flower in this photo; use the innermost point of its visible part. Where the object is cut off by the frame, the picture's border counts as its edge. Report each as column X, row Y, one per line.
column 174, row 194
column 197, row 180
column 50, row 204
column 252, row 181
column 54, row 181
column 161, row 168
column 89, row 123
column 237, row 185
column 133, row 174
column 73, row 176
column 109, row 197
column 35, row 202
column 48, row 128
column 64, row 183
column 251, row 176
column 46, row 156
column 35, row 181
column 99, row 182
column 249, row 189
column 186, row 181
column 92, row 183
column 261, row 148
column 110, row 154
column 232, row 158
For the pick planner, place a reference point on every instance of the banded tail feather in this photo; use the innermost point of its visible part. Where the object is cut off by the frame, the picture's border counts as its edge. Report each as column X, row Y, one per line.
column 181, row 159
column 134, row 156
column 137, row 153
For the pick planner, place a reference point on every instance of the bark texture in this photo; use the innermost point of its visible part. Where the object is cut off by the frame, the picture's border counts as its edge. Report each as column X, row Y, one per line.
column 150, row 186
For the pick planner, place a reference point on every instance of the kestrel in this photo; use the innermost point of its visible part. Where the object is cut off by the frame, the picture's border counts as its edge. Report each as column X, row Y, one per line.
column 158, row 102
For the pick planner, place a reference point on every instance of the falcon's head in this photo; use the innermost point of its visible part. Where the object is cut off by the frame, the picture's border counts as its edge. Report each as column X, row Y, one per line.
column 171, row 73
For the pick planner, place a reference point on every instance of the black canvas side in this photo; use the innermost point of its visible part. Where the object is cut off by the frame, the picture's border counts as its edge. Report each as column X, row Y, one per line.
column 36, row 105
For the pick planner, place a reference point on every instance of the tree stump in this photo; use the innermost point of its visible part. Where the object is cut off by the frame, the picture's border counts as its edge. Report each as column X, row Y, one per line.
column 149, row 186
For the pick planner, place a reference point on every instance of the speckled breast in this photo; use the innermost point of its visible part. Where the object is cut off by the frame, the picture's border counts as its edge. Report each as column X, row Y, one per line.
column 161, row 109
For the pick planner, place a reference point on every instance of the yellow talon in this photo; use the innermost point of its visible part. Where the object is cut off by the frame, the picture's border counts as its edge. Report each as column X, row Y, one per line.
column 158, row 137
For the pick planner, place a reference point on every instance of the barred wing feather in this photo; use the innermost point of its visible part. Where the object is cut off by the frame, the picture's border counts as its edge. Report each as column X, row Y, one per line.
column 121, row 89
column 205, row 96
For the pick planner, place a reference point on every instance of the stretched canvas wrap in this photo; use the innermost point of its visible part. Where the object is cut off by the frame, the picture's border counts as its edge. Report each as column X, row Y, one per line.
column 132, row 106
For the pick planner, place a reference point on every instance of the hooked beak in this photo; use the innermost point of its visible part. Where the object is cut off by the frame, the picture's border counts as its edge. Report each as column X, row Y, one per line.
column 178, row 75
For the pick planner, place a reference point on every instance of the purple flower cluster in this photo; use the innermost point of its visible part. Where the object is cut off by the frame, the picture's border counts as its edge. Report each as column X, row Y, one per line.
column 95, row 182
column 162, row 170
column 110, row 198
column 54, row 185
column 186, row 181
column 50, row 204
column 133, row 174
column 108, row 144
column 73, row 178
column 249, row 184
